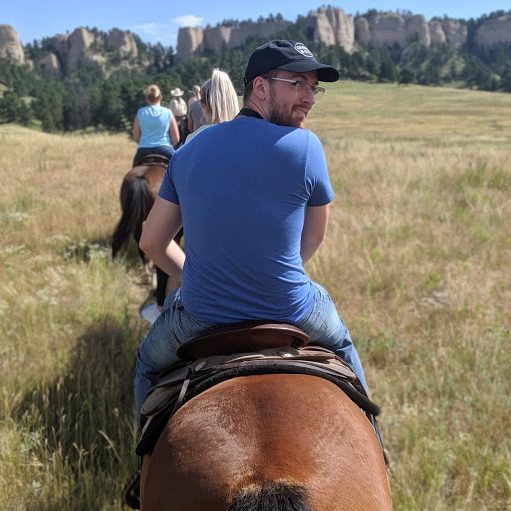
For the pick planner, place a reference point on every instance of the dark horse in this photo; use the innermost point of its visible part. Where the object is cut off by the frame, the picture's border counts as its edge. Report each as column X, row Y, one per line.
column 138, row 192
column 265, row 442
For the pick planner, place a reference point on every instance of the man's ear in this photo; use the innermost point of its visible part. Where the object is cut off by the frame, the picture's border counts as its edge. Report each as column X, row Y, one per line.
column 260, row 87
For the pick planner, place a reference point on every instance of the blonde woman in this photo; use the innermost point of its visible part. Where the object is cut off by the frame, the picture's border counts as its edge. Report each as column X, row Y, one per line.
column 154, row 128
column 219, row 101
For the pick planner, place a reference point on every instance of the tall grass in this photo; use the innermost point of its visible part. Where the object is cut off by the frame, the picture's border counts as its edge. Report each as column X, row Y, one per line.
column 417, row 259
column 69, row 323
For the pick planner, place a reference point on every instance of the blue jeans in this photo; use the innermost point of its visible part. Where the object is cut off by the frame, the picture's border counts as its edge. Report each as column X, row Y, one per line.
column 174, row 326
column 158, row 350
column 325, row 327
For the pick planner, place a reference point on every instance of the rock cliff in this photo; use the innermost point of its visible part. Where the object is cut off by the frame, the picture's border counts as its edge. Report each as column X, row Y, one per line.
column 66, row 52
column 494, row 31
column 328, row 25
column 332, row 26
column 49, row 65
column 189, row 40
column 123, row 42
column 10, row 45
column 436, row 33
column 455, row 32
column 84, row 47
column 193, row 39
column 390, row 28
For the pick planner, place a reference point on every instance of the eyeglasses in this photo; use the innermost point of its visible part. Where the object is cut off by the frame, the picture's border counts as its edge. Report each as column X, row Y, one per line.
column 301, row 86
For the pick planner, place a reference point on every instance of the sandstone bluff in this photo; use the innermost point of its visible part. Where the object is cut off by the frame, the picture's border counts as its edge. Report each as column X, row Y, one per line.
column 328, row 25
column 332, row 26
column 69, row 51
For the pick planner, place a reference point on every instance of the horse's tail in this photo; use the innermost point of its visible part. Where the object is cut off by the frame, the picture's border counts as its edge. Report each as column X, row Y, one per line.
column 271, row 496
column 136, row 202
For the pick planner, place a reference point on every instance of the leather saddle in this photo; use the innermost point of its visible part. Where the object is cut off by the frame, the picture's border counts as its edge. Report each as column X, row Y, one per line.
column 152, row 160
column 241, row 338
column 243, row 349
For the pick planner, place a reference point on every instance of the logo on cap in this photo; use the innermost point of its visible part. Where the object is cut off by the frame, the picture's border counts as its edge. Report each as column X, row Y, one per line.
column 301, row 48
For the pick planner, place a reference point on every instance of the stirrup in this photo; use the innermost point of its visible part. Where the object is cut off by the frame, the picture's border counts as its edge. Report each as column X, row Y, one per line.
column 131, row 491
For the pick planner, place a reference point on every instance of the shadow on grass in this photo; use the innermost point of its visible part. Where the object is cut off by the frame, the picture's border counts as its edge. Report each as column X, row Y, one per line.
column 86, row 420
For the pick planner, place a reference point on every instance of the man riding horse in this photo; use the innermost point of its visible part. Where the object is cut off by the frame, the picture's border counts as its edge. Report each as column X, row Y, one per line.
column 253, row 196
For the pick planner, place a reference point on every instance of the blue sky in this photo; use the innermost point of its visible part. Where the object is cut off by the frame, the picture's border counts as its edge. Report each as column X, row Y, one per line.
column 159, row 21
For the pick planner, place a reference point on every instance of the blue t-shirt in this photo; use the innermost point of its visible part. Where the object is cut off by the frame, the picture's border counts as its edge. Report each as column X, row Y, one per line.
column 154, row 121
column 243, row 187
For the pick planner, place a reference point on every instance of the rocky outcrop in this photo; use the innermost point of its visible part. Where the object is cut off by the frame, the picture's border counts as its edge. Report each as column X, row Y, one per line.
column 417, row 30
column 193, row 39
column 10, row 45
column 49, row 65
column 72, row 49
column 189, row 40
column 327, row 25
column 217, row 38
column 387, row 29
column 362, row 31
column 391, row 28
column 123, row 42
column 493, row 31
column 332, row 27
column 69, row 51
column 436, row 33
column 78, row 44
column 455, row 32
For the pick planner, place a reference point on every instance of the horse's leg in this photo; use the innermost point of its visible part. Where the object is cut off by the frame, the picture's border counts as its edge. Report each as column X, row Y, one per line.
column 121, row 231
column 294, row 434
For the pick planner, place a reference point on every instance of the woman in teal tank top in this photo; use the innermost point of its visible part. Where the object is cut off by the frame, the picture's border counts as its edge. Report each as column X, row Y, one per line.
column 154, row 128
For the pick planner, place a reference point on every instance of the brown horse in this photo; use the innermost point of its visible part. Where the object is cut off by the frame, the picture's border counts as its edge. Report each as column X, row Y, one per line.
column 269, row 442
column 139, row 189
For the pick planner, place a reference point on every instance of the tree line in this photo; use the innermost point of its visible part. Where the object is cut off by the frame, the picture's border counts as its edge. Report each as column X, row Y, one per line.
column 92, row 97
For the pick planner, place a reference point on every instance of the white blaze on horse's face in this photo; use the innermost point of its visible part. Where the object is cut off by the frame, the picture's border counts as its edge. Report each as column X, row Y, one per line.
column 290, row 105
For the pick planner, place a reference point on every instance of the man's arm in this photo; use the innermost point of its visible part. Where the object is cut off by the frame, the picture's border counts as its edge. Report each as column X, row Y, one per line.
column 314, row 230
column 162, row 224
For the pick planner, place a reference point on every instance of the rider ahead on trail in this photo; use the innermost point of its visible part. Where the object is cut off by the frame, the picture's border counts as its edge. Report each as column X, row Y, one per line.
column 154, row 128
column 253, row 196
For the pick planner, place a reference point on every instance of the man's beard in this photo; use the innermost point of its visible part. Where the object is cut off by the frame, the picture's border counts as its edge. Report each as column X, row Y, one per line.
column 277, row 115
column 281, row 118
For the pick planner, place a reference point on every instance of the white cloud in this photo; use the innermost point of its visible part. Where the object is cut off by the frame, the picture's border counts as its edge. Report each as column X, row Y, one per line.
column 151, row 29
column 165, row 32
column 189, row 20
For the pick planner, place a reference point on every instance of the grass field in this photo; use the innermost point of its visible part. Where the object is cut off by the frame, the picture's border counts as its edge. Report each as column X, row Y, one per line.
column 418, row 259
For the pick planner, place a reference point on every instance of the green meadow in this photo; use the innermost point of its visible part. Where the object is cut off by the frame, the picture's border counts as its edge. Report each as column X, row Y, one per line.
column 417, row 258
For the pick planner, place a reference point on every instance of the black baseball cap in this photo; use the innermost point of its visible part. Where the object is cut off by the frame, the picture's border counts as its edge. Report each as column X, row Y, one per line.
column 288, row 56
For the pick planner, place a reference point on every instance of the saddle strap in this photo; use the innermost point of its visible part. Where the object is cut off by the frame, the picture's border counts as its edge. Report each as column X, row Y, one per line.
column 158, row 418
column 182, row 393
